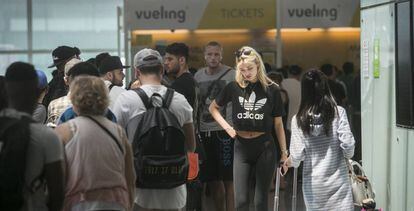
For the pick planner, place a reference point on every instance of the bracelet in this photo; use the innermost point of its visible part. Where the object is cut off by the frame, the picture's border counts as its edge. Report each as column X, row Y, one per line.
column 285, row 151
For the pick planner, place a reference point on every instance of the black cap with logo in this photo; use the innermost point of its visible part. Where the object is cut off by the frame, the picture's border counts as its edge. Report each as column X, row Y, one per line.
column 63, row 53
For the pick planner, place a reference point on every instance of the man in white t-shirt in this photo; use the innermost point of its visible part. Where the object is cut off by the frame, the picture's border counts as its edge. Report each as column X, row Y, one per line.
column 128, row 106
column 111, row 72
column 292, row 87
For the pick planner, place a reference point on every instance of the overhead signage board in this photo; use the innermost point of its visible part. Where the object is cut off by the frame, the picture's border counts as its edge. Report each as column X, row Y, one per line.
column 320, row 13
column 238, row 14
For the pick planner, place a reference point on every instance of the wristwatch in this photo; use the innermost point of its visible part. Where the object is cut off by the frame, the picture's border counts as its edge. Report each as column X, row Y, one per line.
column 286, row 152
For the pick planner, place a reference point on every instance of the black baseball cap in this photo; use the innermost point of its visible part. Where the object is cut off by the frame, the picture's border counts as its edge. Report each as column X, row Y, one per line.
column 83, row 68
column 100, row 57
column 62, row 54
column 111, row 63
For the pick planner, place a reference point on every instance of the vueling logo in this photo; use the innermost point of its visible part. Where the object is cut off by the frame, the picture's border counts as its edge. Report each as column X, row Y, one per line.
column 250, row 105
column 161, row 14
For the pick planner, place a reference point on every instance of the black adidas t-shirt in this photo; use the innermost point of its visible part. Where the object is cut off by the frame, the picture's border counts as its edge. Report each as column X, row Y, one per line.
column 253, row 108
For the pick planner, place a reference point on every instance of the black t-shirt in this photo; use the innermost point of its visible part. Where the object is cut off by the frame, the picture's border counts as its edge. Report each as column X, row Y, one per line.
column 57, row 88
column 253, row 108
column 338, row 91
column 186, row 85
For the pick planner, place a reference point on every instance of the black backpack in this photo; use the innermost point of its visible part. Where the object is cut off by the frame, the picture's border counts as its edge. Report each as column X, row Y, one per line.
column 160, row 155
column 14, row 139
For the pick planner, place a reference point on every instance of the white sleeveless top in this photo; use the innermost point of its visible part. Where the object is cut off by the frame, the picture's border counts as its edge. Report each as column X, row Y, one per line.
column 95, row 163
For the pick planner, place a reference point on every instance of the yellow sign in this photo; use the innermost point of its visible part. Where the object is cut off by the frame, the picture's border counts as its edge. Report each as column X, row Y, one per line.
column 239, row 14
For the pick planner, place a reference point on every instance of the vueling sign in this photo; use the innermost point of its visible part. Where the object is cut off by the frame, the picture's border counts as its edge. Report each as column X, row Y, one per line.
column 162, row 14
column 238, row 14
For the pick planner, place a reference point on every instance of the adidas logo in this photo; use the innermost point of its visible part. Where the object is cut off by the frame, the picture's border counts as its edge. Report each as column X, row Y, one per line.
column 248, row 104
column 251, row 105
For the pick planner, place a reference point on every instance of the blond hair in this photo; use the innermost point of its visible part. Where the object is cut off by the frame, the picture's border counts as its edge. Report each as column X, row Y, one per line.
column 254, row 58
column 89, row 95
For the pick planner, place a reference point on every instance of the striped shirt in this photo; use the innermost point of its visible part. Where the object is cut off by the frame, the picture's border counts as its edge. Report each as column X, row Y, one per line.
column 326, row 184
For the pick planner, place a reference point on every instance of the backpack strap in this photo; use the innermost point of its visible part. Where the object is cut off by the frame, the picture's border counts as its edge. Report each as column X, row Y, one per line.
column 203, row 99
column 111, row 86
column 143, row 96
column 210, row 88
column 7, row 124
column 168, row 98
column 108, row 132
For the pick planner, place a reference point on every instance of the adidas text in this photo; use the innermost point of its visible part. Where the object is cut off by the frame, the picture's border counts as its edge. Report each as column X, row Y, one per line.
column 248, row 115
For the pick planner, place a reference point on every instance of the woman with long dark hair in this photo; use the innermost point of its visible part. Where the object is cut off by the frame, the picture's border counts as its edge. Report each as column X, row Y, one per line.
column 257, row 109
column 322, row 139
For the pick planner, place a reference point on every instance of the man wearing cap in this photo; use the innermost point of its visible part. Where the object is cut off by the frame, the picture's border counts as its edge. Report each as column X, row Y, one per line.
column 59, row 105
column 57, row 87
column 148, row 65
column 82, row 68
column 111, row 72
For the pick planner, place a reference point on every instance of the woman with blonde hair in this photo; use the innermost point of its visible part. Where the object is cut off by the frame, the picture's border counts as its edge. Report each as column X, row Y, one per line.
column 257, row 110
column 100, row 172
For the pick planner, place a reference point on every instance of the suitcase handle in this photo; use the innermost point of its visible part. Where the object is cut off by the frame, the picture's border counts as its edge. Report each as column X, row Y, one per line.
column 277, row 187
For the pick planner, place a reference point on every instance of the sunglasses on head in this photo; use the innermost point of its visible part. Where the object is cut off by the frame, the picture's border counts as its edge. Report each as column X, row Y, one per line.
column 245, row 52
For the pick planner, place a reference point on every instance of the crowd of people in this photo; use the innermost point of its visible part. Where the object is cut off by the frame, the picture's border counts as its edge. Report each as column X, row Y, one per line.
column 82, row 151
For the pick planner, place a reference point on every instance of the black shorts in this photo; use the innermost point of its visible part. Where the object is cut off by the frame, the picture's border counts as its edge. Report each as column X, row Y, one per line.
column 219, row 149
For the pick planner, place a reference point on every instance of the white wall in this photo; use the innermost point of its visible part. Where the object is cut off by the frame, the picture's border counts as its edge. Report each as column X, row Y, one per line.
column 387, row 151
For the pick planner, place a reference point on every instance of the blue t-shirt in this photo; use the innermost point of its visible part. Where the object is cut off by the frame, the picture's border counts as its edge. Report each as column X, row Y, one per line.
column 70, row 114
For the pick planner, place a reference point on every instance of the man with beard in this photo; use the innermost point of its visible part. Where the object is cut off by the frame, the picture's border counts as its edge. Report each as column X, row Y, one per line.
column 111, row 71
column 175, row 63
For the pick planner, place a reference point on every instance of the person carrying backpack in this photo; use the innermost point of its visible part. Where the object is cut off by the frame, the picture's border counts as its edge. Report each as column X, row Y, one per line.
column 31, row 155
column 159, row 125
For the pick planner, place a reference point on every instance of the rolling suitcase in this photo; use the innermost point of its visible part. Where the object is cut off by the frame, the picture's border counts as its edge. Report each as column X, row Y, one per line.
column 277, row 187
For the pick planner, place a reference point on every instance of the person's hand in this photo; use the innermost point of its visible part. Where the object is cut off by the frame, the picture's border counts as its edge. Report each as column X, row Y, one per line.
column 288, row 162
column 283, row 159
column 284, row 169
column 136, row 84
column 232, row 133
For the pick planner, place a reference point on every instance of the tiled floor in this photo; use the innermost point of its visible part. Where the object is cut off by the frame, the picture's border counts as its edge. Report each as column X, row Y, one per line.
column 285, row 199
